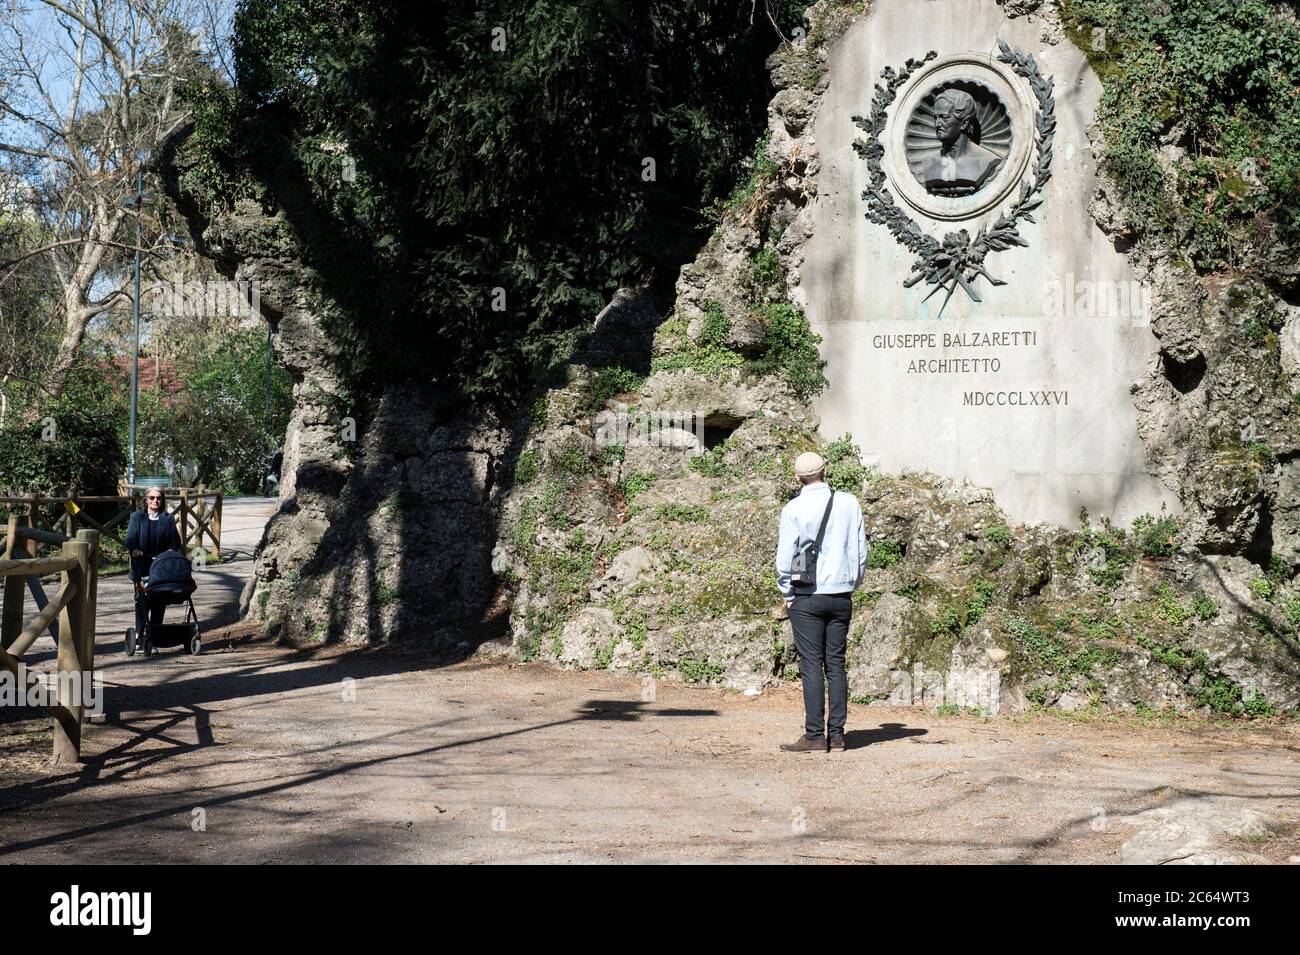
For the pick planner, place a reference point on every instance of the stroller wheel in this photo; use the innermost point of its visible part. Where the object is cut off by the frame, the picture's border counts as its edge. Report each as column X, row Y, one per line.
column 146, row 647
column 130, row 641
column 195, row 644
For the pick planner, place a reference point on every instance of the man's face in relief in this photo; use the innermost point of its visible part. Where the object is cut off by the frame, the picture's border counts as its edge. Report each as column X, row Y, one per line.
column 946, row 123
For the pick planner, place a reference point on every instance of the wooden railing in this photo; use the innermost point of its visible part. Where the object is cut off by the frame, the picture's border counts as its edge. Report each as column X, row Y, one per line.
column 197, row 512
column 74, row 606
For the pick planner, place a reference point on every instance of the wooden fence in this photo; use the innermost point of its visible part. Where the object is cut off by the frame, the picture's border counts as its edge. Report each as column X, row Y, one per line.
column 197, row 512
column 74, row 606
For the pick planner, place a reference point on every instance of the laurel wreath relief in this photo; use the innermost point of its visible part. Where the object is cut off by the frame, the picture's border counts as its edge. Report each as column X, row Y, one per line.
column 957, row 260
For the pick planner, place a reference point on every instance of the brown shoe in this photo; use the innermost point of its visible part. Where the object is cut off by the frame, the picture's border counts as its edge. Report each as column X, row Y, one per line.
column 837, row 744
column 805, row 745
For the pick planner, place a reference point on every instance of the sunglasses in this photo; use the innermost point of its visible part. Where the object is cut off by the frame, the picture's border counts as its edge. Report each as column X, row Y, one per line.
column 153, row 497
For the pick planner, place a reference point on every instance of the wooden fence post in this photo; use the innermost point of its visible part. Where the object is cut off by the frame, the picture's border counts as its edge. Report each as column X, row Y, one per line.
column 200, row 512
column 11, row 619
column 185, row 520
column 72, row 621
column 216, row 530
column 33, row 515
column 92, row 538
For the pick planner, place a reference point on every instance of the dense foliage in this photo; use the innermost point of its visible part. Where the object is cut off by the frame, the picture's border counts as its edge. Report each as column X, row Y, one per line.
column 215, row 425
column 472, row 185
column 1220, row 81
column 77, row 443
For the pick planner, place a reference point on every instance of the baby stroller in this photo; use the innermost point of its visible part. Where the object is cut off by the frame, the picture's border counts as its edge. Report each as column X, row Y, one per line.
column 170, row 581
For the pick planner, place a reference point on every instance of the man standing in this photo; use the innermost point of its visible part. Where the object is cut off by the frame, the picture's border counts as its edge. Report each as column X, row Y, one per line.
column 820, row 558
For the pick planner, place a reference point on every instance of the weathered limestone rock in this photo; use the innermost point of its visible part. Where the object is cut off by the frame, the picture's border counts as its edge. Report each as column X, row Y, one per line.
column 589, row 544
column 1191, row 832
column 877, row 646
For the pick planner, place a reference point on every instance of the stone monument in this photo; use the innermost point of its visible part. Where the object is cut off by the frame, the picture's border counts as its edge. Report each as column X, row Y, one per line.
column 976, row 321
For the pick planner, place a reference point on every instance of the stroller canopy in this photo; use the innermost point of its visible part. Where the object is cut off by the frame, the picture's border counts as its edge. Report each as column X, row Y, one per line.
column 171, row 573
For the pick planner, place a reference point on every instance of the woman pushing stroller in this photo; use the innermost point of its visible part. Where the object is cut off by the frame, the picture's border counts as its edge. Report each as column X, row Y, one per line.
column 150, row 532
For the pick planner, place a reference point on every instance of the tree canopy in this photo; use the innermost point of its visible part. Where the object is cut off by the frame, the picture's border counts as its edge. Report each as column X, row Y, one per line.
column 472, row 185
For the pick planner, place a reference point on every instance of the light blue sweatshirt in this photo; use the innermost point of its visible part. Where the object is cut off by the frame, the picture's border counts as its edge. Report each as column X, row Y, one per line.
column 843, row 557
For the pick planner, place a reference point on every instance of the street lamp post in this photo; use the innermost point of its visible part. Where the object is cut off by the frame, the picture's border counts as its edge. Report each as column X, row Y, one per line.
column 138, row 202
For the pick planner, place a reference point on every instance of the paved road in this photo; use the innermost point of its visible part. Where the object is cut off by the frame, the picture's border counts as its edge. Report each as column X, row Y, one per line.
column 216, row 601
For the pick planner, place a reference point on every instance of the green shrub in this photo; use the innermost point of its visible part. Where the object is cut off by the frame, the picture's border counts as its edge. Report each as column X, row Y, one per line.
column 635, row 484
column 1220, row 694
column 76, row 442
column 682, row 513
column 1117, row 557
column 605, row 656
column 1044, row 649
column 708, row 354
column 609, row 383
column 447, row 132
column 714, row 326
column 541, row 412
column 998, row 534
column 765, row 267
column 978, row 602
column 1262, row 588
column 527, row 467
column 844, row 468
column 1257, row 705
column 1169, row 608
column 790, row 347
column 1155, row 537
column 1226, row 71
column 700, row 671
column 710, row 463
column 1291, row 609
column 946, row 620
column 883, row 553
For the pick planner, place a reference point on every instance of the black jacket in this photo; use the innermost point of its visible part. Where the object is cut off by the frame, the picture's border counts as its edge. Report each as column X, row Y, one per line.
column 152, row 537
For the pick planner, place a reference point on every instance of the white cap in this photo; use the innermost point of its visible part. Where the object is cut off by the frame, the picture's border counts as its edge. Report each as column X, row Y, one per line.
column 809, row 463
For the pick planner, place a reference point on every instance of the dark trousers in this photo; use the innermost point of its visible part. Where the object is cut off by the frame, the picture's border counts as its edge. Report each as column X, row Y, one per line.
column 821, row 634
column 155, row 612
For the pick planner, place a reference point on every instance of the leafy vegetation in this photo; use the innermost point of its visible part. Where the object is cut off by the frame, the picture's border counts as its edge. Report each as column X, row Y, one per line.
column 790, row 348
column 610, row 382
column 445, row 120
column 883, row 553
column 78, row 442
column 635, row 484
column 1226, row 75
column 1156, row 536
column 844, row 468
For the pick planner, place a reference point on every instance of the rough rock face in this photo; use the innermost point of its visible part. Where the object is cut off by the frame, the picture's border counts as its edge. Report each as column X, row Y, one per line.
column 407, row 549
column 627, row 519
column 1219, row 415
column 384, row 528
column 260, row 249
column 652, row 553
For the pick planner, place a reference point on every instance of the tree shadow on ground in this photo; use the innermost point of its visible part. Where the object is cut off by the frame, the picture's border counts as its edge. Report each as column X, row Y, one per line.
column 126, row 761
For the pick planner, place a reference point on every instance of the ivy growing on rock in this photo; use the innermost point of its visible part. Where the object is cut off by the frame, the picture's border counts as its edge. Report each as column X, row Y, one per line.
column 1209, row 89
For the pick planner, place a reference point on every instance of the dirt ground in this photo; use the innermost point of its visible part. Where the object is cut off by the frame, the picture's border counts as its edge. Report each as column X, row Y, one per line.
column 488, row 762
column 262, row 754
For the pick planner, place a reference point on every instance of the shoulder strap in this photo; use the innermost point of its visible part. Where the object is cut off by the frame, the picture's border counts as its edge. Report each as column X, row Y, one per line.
column 821, row 531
